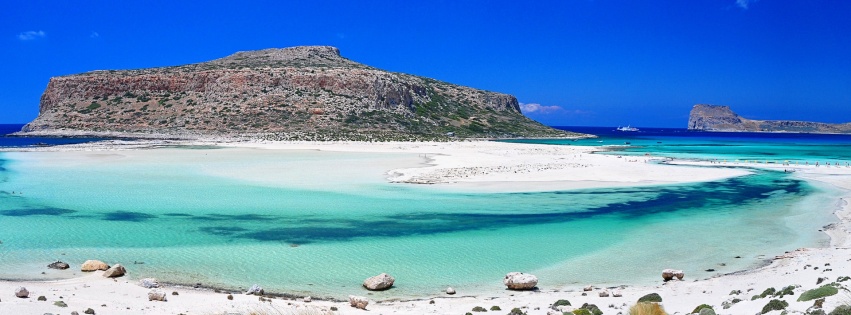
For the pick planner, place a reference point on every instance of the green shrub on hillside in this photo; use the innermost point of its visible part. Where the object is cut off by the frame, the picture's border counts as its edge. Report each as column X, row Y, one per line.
column 700, row 307
column 652, row 297
column 774, row 305
column 820, row 292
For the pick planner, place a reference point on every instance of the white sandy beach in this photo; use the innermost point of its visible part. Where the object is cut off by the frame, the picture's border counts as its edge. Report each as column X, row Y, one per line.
column 482, row 166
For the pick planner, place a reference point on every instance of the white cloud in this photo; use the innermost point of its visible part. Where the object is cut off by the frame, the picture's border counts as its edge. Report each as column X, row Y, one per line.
column 538, row 108
column 94, row 35
column 744, row 4
column 31, row 35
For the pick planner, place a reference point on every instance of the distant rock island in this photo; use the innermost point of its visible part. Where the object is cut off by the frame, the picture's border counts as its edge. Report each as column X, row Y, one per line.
column 721, row 118
column 298, row 93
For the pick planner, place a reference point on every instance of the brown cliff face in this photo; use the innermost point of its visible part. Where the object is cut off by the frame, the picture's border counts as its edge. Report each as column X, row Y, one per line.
column 722, row 118
column 292, row 93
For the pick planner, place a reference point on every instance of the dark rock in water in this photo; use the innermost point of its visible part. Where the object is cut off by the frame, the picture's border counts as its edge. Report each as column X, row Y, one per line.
column 379, row 282
column 58, row 265
column 710, row 270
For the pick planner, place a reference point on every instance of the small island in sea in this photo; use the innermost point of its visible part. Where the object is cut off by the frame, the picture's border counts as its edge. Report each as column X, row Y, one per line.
column 721, row 118
column 295, row 181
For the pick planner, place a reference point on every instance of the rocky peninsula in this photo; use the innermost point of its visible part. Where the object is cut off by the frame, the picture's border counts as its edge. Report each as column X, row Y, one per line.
column 722, row 118
column 298, row 93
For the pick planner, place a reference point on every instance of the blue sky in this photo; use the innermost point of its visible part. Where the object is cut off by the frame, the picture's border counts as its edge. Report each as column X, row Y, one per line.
column 571, row 62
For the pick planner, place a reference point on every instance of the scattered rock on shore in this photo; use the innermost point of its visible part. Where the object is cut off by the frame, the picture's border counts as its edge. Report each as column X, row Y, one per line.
column 669, row 274
column 379, row 282
column 450, row 291
column 149, row 283
column 114, row 272
column 22, row 292
column 58, row 265
column 520, row 281
column 255, row 290
column 156, row 295
column 358, row 302
column 93, row 265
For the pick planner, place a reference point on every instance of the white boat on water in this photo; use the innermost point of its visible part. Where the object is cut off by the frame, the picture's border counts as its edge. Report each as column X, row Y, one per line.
column 627, row 128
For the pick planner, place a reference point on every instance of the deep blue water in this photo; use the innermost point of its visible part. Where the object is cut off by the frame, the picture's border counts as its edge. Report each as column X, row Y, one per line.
column 18, row 142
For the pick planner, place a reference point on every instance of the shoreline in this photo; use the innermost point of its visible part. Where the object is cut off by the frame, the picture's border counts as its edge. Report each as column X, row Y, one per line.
column 680, row 296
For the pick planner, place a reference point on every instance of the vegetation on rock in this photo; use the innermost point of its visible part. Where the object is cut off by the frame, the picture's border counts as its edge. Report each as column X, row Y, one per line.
column 299, row 93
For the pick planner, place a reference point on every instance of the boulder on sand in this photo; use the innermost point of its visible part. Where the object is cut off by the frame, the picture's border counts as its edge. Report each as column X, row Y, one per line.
column 115, row 271
column 669, row 274
column 520, row 281
column 149, row 283
column 156, row 295
column 58, row 265
column 94, row 265
column 22, row 292
column 450, row 291
column 358, row 302
column 379, row 282
column 255, row 290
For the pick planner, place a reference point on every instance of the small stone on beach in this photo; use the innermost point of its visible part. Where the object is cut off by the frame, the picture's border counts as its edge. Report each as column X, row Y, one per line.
column 114, row 272
column 520, row 281
column 450, row 291
column 93, row 265
column 22, row 292
column 255, row 290
column 149, row 283
column 358, row 302
column 156, row 295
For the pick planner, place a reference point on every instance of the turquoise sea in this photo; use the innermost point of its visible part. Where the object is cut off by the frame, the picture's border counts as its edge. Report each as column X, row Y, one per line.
column 201, row 215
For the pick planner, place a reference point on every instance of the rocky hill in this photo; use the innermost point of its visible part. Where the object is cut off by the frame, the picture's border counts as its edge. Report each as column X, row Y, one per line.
column 299, row 93
column 722, row 118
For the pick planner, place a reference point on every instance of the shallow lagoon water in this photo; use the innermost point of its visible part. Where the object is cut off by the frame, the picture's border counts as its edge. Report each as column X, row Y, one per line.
column 318, row 223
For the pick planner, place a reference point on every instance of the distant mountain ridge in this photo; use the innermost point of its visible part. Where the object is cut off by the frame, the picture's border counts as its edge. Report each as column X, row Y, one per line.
column 298, row 93
column 721, row 118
